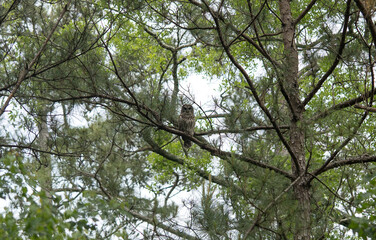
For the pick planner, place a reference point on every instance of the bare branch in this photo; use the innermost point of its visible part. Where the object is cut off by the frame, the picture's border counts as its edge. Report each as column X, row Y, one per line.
column 349, row 161
column 214, row 116
column 369, row 109
column 155, row 222
column 329, row 189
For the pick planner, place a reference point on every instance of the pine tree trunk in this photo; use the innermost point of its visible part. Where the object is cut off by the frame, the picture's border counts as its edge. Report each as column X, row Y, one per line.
column 44, row 173
column 302, row 218
column 289, row 79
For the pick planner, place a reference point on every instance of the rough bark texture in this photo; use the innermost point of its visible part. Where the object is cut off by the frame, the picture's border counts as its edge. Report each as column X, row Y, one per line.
column 289, row 78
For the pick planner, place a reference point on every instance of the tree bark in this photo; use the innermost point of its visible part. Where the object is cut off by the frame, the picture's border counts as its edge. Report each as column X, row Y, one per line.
column 45, row 169
column 289, row 79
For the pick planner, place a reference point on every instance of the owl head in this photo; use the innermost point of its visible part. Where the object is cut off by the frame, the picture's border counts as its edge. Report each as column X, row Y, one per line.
column 187, row 108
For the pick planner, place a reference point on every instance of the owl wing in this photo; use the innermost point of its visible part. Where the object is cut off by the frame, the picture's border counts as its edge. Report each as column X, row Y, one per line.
column 181, row 123
column 191, row 125
column 186, row 124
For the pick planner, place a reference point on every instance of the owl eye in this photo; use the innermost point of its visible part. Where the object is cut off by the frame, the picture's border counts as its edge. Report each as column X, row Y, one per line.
column 187, row 107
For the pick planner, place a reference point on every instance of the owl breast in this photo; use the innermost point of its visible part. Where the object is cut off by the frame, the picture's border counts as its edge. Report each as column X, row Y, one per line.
column 187, row 123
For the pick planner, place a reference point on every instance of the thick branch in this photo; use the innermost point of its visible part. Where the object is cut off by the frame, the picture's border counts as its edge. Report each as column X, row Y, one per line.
column 349, row 161
column 369, row 109
column 368, row 16
column 345, row 104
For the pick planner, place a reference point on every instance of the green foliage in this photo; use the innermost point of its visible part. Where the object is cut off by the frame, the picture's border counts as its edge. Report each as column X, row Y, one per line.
column 166, row 170
column 365, row 226
column 88, row 144
column 36, row 216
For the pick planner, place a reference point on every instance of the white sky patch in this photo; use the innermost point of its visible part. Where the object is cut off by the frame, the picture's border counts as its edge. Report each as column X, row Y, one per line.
column 201, row 89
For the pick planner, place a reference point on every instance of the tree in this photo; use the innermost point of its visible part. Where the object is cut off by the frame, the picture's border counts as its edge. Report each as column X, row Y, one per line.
column 90, row 99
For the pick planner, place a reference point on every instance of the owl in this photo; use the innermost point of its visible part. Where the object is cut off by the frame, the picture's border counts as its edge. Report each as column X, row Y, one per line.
column 187, row 123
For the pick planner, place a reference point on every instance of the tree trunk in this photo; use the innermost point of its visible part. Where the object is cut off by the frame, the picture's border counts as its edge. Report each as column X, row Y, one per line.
column 303, row 213
column 289, row 79
column 44, row 173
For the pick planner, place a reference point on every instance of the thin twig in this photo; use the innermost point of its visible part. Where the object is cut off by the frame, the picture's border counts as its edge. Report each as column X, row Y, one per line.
column 27, row 68
column 259, row 215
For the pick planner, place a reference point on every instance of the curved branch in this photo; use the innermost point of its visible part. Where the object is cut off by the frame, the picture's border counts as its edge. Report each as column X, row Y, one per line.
column 135, row 214
column 155, row 222
column 349, row 161
column 152, row 221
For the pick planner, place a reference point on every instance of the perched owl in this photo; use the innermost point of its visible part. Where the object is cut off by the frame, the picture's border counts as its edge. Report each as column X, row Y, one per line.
column 187, row 123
